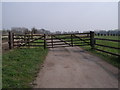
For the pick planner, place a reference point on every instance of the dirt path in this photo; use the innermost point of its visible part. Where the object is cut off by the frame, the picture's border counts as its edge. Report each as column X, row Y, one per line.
column 72, row 67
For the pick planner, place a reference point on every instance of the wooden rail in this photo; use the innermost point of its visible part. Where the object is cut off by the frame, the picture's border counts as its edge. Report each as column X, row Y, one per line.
column 87, row 38
column 107, row 39
column 25, row 40
column 62, row 40
column 82, row 39
column 107, row 52
column 70, row 34
column 106, row 46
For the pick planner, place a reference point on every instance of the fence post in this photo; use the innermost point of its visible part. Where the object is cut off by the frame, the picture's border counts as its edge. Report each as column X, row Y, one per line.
column 52, row 40
column 92, row 40
column 31, row 35
column 25, row 38
column 10, row 40
column 44, row 41
column 72, row 40
column 28, row 40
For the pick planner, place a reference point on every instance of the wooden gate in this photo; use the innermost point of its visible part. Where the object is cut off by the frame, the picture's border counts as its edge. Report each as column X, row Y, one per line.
column 27, row 40
column 51, row 40
column 68, row 40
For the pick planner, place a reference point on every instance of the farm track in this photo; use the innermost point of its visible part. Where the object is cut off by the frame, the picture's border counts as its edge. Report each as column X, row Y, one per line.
column 73, row 67
column 56, row 43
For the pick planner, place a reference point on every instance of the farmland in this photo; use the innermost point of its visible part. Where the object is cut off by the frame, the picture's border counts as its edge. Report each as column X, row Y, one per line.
column 109, row 43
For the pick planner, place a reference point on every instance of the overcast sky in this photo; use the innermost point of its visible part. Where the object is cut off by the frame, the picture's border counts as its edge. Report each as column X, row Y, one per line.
column 63, row 16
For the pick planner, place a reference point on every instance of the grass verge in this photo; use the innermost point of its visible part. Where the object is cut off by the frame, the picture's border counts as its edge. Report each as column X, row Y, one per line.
column 20, row 66
column 108, row 58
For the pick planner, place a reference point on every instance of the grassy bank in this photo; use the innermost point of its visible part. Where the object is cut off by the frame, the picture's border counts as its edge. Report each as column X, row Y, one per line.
column 20, row 66
column 107, row 57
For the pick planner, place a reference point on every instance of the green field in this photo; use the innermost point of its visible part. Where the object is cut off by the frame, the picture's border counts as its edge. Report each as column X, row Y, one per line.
column 108, row 43
column 20, row 66
column 109, row 37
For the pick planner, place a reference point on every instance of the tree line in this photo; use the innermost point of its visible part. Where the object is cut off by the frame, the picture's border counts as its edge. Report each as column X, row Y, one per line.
column 23, row 30
column 115, row 32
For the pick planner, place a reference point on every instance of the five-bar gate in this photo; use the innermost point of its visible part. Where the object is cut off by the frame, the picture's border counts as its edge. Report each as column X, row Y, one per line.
column 51, row 40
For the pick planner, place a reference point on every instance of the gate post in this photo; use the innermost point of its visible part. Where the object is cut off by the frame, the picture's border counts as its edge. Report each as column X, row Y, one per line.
column 31, row 35
column 44, row 41
column 92, row 41
column 72, row 40
column 28, row 40
column 25, row 38
column 52, row 40
column 10, row 40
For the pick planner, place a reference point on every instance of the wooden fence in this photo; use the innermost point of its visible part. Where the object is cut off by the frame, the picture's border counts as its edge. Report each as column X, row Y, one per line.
column 107, row 46
column 27, row 39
